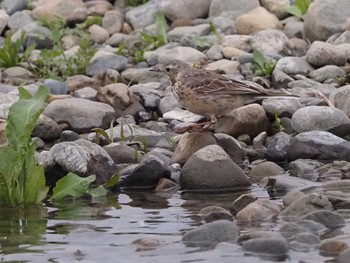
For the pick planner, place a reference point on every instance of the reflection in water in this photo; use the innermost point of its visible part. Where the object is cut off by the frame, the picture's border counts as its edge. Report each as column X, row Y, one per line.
column 98, row 231
column 21, row 228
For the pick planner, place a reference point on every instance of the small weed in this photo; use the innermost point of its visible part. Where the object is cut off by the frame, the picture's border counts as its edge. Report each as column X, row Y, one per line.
column 122, row 50
column 278, row 122
column 299, row 8
column 135, row 2
column 10, row 53
column 263, row 66
column 214, row 31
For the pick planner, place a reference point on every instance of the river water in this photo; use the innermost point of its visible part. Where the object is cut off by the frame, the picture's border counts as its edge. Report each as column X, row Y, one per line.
column 100, row 231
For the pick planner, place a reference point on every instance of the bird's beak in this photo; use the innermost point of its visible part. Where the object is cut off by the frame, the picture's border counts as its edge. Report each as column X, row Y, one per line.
column 155, row 69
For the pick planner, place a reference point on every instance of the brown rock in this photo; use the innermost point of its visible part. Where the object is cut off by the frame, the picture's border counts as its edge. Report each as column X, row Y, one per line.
column 189, row 144
column 263, row 169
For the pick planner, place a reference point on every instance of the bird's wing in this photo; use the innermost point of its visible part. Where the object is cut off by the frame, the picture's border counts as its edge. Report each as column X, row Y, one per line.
column 212, row 83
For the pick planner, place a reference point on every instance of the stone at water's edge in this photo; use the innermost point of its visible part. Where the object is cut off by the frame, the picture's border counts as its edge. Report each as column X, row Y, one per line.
column 212, row 168
column 319, row 145
column 211, row 234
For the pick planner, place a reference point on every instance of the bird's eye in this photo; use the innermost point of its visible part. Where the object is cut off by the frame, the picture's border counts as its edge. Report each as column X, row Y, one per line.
column 167, row 69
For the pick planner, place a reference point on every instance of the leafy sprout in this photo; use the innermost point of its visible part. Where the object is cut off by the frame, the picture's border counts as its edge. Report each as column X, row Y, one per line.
column 263, row 66
column 299, row 8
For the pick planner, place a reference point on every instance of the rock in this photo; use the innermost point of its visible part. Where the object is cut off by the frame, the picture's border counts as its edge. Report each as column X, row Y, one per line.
column 294, row 66
column 285, row 107
column 304, row 242
column 167, row 53
column 46, row 128
column 250, row 119
column 214, row 213
column 81, row 157
column 174, row 10
column 145, row 175
column 241, row 202
column 257, row 234
column 290, row 230
column 80, row 81
column 69, row 136
column 256, row 20
column 56, row 87
column 178, row 33
column 333, row 247
column 211, row 234
column 292, row 196
column 319, row 145
column 276, row 7
column 17, row 76
column 329, row 219
column 112, row 21
column 102, row 61
column 120, row 97
column 305, row 168
column 328, row 72
column 80, row 115
column 331, row 55
column 231, row 146
column 225, row 66
column 324, row 18
column 267, row 246
column 4, row 18
column 294, row 29
column 264, row 169
column 211, row 168
column 280, row 80
column 98, row 34
column 241, row 42
column 150, row 93
column 322, row 118
column 259, row 211
column 344, row 256
column 19, row 19
column 143, row 15
column 121, row 153
column 12, row 6
column 306, row 204
column 271, row 41
column 214, row 52
column 85, row 93
column 341, row 99
column 165, row 185
column 73, row 11
column 98, row 8
column 134, row 133
column 191, row 143
column 236, row 7
column 182, row 115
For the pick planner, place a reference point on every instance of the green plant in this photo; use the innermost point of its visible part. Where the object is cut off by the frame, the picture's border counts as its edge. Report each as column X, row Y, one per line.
column 53, row 63
column 278, row 122
column 171, row 141
column 10, row 53
column 100, row 132
column 214, row 31
column 135, row 2
column 22, row 181
column 263, row 66
column 122, row 50
column 299, row 8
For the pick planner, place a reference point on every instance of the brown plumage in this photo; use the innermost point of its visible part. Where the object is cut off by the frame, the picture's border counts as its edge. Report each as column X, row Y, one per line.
column 209, row 93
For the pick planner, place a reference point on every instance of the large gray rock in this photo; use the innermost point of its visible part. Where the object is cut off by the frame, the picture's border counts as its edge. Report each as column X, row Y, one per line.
column 174, row 10
column 305, row 168
column 81, row 157
column 145, row 175
column 236, row 7
column 321, row 54
column 284, row 107
column 294, row 65
column 46, row 128
column 150, row 93
column 259, row 211
column 212, row 168
column 143, row 15
column 341, row 98
column 327, row 218
column 306, row 204
column 319, row 145
column 102, row 61
column 326, row 17
column 178, row 33
column 321, row 118
column 71, row 11
column 329, row 72
column 276, row 247
column 80, row 115
column 12, row 6
column 211, row 234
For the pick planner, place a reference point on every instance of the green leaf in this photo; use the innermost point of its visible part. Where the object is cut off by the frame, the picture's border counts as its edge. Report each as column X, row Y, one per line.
column 23, row 116
column 293, row 10
column 162, row 26
column 302, row 5
column 71, row 185
column 97, row 192
column 112, row 181
column 103, row 133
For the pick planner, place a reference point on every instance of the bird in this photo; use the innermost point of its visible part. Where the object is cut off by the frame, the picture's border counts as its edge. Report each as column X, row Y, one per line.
column 209, row 93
